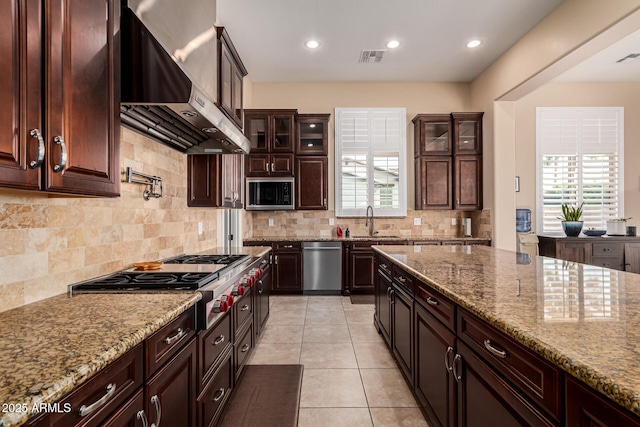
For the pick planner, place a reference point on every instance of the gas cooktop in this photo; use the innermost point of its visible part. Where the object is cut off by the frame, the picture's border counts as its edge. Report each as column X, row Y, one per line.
column 207, row 259
column 161, row 280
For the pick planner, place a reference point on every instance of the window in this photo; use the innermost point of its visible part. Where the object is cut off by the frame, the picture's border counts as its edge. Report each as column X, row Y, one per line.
column 371, row 150
column 579, row 160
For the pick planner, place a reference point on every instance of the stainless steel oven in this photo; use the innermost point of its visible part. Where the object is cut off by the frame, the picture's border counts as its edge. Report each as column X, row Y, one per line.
column 270, row 194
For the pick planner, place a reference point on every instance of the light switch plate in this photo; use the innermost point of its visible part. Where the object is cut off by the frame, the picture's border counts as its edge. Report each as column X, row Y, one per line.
column 454, row 221
column 199, row 227
column 331, row 222
column 417, row 221
column 270, row 222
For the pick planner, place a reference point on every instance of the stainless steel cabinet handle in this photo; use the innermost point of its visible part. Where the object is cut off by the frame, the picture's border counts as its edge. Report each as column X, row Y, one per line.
column 86, row 410
column 179, row 334
column 264, row 262
column 401, row 279
column 155, row 400
column 456, row 374
column 500, row 353
column 245, row 348
column 261, row 283
column 446, row 359
column 383, row 266
column 276, row 259
column 424, row 202
column 219, row 395
column 432, row 301
column 219, row 340
column 244, row 308
column 392, row 295
column 143, row 417
column 288, row 246
column 324, row 202
column 35, row 164
column 63, row 154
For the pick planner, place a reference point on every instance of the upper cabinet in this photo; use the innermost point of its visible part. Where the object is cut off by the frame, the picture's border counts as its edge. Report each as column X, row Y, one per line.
column 270, row 131
column 467, row 133
column 61, row 126
column 312, row 131
column 215, row 180
column 230, row 78
column 432, row 134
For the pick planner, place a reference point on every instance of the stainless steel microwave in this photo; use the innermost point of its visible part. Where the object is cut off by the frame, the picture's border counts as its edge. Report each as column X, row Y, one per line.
column 266, row 194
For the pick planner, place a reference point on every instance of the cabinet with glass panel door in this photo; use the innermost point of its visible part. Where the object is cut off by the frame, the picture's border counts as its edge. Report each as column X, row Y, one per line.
column 272, row 135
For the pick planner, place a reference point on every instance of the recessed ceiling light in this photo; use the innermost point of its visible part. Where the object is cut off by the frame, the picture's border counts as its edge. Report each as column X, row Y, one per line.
column 393, row 44
column 474, row 43
column 312, row 44
column 312, row 125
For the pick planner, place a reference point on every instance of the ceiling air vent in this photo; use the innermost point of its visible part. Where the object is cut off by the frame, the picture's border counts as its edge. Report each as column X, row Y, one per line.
column 629, row 58
column 371, row 55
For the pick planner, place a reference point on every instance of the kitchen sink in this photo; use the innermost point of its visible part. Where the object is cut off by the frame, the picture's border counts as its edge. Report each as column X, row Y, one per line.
column 375, row 237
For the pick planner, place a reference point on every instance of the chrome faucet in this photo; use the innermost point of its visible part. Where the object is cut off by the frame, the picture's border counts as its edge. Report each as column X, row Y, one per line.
column 372, row 230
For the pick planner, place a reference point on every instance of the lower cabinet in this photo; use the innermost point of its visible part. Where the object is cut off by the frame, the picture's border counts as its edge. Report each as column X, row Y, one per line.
column 383, row 306
column 261, row 306
column 585, row 408
column 213, row 398
column 287, row 268
column 402, row 330
column 129, row 414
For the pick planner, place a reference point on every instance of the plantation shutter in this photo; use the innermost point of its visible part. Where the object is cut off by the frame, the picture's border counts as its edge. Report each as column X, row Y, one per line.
column 579, row 162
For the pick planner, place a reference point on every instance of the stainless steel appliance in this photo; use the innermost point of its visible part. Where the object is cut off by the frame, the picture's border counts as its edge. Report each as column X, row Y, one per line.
column 169, row 77
column 270, row 194
column 221, row 279
column 322, row 266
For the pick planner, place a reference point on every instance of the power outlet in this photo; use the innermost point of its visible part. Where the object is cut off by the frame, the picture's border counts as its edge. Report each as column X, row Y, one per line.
column 199, row 227
column 331, row 221
column 270, row 222
column 417, row 221
column 454, row 221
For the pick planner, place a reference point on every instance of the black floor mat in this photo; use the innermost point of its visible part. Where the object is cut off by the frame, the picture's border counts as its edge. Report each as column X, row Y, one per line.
column 362, row 299
column 267, row 396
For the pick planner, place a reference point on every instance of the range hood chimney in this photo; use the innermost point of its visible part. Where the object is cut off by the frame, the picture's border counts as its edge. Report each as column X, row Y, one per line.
column 170, row 77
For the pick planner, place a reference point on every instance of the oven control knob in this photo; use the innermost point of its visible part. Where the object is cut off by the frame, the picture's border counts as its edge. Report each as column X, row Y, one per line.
column 256, row 272
column 220, row 306
column 228, row 299
column 247, row 281
column 237, row 290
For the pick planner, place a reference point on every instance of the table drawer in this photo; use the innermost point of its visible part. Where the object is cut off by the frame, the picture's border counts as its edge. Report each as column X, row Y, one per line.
column 166, row 342
column 212, row 345
column 213, row 398
column 529, row 372
column 436, row 304
column 608, row 249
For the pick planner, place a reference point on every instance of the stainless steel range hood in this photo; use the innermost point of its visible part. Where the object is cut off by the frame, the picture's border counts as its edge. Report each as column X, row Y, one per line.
column 169, row 76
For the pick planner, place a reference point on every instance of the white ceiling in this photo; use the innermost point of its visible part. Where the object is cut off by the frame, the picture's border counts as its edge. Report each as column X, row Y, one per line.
column 270, row 34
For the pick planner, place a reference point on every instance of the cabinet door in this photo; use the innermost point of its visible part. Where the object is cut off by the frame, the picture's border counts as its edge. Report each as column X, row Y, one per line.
column 312, row 133
column 383, row 305
column 575, row 251
column 432, row 134
column 433, row 182
column 311, row 182
column 402, row 327
column 361, row 272
column 238, row 180
column 203, row 189
column 586, row 408
column 287, row 272
column 130, row 414
column 227, row 76
column 20, row 94
column 632, row 257
column 256, row 129
column 485, row 399
column 281, row 165
column 231, row 178
column 467, row 133
column 258, row 164
column 237, row 90
column 434, row 383
column 83, row 96
column 468, row 182
column 282, row 133
column 262, row 300
column 171, row 392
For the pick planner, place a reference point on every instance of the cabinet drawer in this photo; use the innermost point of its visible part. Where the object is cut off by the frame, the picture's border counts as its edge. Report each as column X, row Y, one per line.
column 436, row 304
column 102, row 394
column 608, row 249
column 166, row 342
column 287, row 246
column 127, row 414
column 386, row 266
column 216, row 394
column 533, row 375
column 212, row 345
column 617, row 263
column 243, row 310
column 243, row 348
column 402, row 278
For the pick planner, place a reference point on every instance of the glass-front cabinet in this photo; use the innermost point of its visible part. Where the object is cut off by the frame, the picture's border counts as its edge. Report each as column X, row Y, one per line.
column 256, row 130
column 312, row 130
column 432, row 134
column 270, row 130
column 282, row 133
column 467, row 128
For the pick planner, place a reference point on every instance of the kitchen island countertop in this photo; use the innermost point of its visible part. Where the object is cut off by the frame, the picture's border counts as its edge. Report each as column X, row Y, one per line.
column 582, row 318
column 362, row 238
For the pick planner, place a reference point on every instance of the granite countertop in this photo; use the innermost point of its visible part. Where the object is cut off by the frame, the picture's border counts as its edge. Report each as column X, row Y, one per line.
column 49, row 347
column 358, row 238
column 582, row 318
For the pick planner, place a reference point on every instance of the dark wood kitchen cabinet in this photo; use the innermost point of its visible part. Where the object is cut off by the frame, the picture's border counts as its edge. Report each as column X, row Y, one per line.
column 383, row 301
column 262, row 289
column 448, row 161
column 312, row 182
column 215, row 180
column 587, row 408
column 402, row 329
column 287, row 268
column 272, row 137
column 360, row 261
column 61, row 72
column 230, row 78
column 312, row 134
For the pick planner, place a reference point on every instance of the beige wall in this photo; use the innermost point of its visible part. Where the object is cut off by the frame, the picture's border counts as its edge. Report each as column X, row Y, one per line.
column 625, row 95
column 576, row 29
column 49, row 242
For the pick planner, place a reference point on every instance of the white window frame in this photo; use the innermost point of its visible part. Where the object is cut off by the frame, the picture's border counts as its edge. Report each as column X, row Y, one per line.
column 401, row 211
column 539, row 154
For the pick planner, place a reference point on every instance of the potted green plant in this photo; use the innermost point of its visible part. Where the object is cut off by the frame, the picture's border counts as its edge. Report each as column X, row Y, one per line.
column 571, row 223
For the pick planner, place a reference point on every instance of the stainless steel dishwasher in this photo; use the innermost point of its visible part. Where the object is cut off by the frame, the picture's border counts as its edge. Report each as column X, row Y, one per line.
column 322, row 266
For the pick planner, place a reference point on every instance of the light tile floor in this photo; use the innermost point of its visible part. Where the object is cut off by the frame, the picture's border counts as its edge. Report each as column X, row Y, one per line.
column 350, row 378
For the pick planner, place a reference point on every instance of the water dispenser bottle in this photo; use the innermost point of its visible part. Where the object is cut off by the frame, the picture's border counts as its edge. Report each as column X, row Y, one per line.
column 523, row 220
